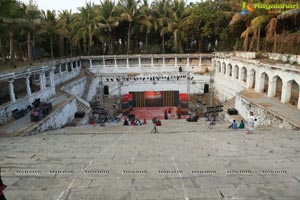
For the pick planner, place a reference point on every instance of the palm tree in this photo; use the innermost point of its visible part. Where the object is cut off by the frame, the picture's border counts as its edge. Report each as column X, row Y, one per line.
column 160, row 9
column 49, row 26
column 145, row 21
column 175, row 22
column 32, row 13
column 10, row 9
column 63, row 29
column 84, row 26
column 109, row 20
column 129, row 11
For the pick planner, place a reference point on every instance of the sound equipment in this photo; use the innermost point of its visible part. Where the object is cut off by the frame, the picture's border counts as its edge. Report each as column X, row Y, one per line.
column 106, row 91
column 206, row 88
column 214, row 109
column 232, row 111
column 131, row 117
column 79, row 114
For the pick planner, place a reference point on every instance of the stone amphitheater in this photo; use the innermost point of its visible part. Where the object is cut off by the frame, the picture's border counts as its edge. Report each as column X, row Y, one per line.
column 66, row 158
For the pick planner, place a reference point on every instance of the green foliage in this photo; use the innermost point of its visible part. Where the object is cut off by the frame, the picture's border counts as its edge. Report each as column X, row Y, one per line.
column 136, row 26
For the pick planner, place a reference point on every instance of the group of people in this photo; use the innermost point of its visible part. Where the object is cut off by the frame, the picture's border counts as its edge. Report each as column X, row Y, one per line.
column 133, row 122
column 250, row 124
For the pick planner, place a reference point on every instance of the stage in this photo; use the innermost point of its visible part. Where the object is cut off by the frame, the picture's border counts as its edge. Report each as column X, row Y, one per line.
column 149, row 113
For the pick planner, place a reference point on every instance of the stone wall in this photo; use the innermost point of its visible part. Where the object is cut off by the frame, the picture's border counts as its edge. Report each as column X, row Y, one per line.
column 58, row 118
column 93, row 89
column 294, row 59
column 76, row 87
column 6, row 109
column 226, row 89
column 264, row 117
column 65, row 76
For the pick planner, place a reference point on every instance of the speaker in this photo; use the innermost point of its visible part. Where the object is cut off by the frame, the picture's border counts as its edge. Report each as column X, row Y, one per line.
column 131, row 117
column 79, row 114
column 232, row 111
column 206, row 88
column 106, row 91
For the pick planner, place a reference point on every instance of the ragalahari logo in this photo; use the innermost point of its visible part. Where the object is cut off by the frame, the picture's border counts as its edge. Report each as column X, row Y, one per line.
column 246, row 8
column 271, row 8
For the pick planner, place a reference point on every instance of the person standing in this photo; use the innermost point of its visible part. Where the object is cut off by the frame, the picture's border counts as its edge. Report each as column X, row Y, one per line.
column 250, row 123
column 178, row 111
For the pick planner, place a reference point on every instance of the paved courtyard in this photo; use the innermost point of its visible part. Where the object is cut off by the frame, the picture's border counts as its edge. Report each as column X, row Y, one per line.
column 184, row 161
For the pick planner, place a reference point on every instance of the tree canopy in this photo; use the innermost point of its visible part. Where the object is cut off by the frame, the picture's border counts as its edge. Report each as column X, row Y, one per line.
column 136, row 27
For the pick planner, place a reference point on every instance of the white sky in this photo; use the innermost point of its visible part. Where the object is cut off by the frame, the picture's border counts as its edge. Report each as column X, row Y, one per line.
column 67, row 4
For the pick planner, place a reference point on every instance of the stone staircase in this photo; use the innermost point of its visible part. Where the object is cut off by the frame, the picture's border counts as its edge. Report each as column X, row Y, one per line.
column 89, row 78
column 230, row 104
column 79, row 121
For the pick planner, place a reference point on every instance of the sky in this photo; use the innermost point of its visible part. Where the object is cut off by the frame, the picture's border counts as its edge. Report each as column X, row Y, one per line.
column 66, row 4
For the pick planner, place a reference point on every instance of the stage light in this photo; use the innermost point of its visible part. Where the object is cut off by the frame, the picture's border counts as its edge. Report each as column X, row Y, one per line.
column 107, row 79
column 192, row 78
column 143, row 78
column 111, row 79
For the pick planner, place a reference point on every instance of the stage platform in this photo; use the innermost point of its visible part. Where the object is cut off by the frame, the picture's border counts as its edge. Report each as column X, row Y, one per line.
column 149, row 113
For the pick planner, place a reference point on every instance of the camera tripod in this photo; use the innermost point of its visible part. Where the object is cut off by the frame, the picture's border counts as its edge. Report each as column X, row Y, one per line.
column 154, row 130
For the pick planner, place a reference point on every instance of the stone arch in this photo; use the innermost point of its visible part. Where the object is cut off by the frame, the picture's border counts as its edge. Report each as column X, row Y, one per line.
column 229, row 70
column 219, row 66
column 294, row 92
column 244, row 74
column 236, row 72
column 276, row 87
column 264, row 83
column 252, row 78
column 224, row 68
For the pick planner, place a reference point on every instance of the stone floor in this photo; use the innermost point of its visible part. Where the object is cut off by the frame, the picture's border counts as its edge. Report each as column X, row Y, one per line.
column 186, row 160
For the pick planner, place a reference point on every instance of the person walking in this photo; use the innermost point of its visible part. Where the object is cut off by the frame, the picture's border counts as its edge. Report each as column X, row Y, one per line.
column 250, row 123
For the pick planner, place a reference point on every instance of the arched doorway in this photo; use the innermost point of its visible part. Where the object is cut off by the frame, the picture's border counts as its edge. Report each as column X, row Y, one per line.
column 236, row 71
column 230, row 70
column 244, row 74
column 252, row 78
column 264, row 83
column 224, row 68
column 278, row 90
column 219, row 66
column 294, row 93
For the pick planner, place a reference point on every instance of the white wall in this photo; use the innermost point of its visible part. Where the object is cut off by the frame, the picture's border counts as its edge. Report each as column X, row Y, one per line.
column 77, row 87
column 6, row 109
column 58, row 118
column 93, row 89
column 264, row 117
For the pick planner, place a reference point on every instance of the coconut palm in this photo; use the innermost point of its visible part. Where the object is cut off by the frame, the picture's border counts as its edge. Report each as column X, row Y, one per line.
column 129, row 11
column 10, row 10
column 160, row 9
column 49, row 26
column 63, row 29
column 108, row 21
column 85, row 26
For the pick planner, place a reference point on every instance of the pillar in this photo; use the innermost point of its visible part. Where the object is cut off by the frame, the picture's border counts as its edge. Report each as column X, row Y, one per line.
column 11, row 90
column 127, row 62
column 103, row 61
column 27, row 82
column 163, row 61
column 140, row 62
column 188, row 61
column 115, row 60
column 176, row 61
column 272, row 87
column 152, row 65
column 51, row 76
column 42, row 80
column 91, row 63
column 200, row 61
column 59, row 69
column 286, row 92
